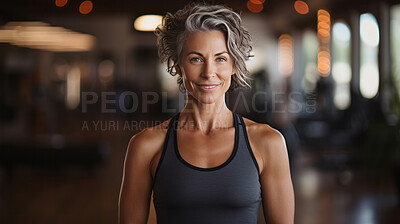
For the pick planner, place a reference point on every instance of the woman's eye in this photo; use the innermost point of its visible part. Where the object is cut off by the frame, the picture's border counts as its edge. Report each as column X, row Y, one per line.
column 195, row 60
column 221, row 59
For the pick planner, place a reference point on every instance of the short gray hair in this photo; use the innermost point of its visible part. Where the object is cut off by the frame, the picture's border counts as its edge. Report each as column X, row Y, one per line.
column 176, row 28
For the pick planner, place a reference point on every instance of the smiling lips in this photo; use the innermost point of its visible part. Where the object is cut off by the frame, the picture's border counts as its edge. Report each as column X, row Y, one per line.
column 207, row 86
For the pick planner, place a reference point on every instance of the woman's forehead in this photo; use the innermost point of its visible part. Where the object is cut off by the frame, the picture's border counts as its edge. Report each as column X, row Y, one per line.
column 205, row 41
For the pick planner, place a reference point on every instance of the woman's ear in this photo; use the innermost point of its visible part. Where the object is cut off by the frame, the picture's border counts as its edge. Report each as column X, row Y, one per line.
column 178, row 70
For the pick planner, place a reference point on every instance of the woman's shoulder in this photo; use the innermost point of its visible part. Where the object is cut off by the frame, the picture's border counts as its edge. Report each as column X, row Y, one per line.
column 261, row 130
column 149, row 141
column 153, row 131
column 265, row 139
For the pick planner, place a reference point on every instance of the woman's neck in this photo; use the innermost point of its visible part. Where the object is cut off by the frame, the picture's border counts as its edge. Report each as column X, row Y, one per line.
column 197, row 116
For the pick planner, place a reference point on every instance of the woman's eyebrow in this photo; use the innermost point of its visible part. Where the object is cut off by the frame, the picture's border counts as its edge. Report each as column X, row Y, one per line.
column 223, row 52
column 217, row 54
column 194, row 52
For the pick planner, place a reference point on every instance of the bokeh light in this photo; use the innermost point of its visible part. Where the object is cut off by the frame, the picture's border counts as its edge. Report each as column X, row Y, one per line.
column 310, row 58
column 342, row 97
column 285, row 48
column 254, row 8
column 323, row 33
column 301, row 7
column 147, row 22
column 61, row 3
column 369, row 30
column 369, row 70
column 73, row 89
column 369, row 80
column 341, row 72
column 341, row 32
column 257, row 2
column 86, row 7
column 323, row 63
column 106, row 70
column 39, row 35
column 395, row 44
column 341, row 65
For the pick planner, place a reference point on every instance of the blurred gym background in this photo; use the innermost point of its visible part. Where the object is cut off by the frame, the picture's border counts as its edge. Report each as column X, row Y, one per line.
column 79, row 78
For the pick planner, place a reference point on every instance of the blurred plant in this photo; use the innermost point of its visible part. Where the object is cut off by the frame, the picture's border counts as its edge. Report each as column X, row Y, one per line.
column 381, row 148
column 381, row 144
column 394, row 101
column 381, row 141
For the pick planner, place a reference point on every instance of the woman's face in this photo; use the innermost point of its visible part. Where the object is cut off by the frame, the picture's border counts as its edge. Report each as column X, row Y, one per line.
column 206, row 66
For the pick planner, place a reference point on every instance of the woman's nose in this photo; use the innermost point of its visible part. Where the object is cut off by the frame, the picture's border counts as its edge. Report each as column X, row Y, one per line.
column 209, row 70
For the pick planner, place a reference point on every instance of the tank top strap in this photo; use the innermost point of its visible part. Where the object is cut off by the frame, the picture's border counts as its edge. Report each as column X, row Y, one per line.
column 244, row 139
column 237, row 118
column 168, row 143
column 173, row 121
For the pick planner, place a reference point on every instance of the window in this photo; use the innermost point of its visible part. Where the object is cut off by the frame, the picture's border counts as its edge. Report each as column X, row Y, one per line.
column 369, row 71
column 341, row 69
column 395, row 51
column 310, row 55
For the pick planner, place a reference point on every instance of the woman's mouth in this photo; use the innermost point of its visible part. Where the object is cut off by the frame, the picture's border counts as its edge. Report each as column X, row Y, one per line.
column 208, row 86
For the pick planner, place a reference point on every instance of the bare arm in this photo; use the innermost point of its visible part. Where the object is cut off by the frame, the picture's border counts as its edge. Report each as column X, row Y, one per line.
column 134, row 200
column 276, row 184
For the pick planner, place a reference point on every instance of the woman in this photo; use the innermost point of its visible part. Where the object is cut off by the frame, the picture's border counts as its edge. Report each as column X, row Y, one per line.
column 206, row 164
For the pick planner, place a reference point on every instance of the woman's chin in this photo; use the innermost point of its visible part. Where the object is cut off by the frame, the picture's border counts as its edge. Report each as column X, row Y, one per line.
column 206, row 98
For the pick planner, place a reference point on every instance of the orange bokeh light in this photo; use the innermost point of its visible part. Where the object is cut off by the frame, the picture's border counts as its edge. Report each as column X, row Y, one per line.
column 301, row 7
column 86, row 7
column 323, row 25
column 61, row 3
column 324, row 62
column 323, row 53
column 323, row 33
column 257, row 2
column 323, row 12
column 324, row 58
column 285, row 49
column 324, row 18
column 255, row 8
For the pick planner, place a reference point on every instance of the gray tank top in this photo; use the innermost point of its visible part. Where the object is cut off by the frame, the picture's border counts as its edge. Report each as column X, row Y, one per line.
column 229, row 193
